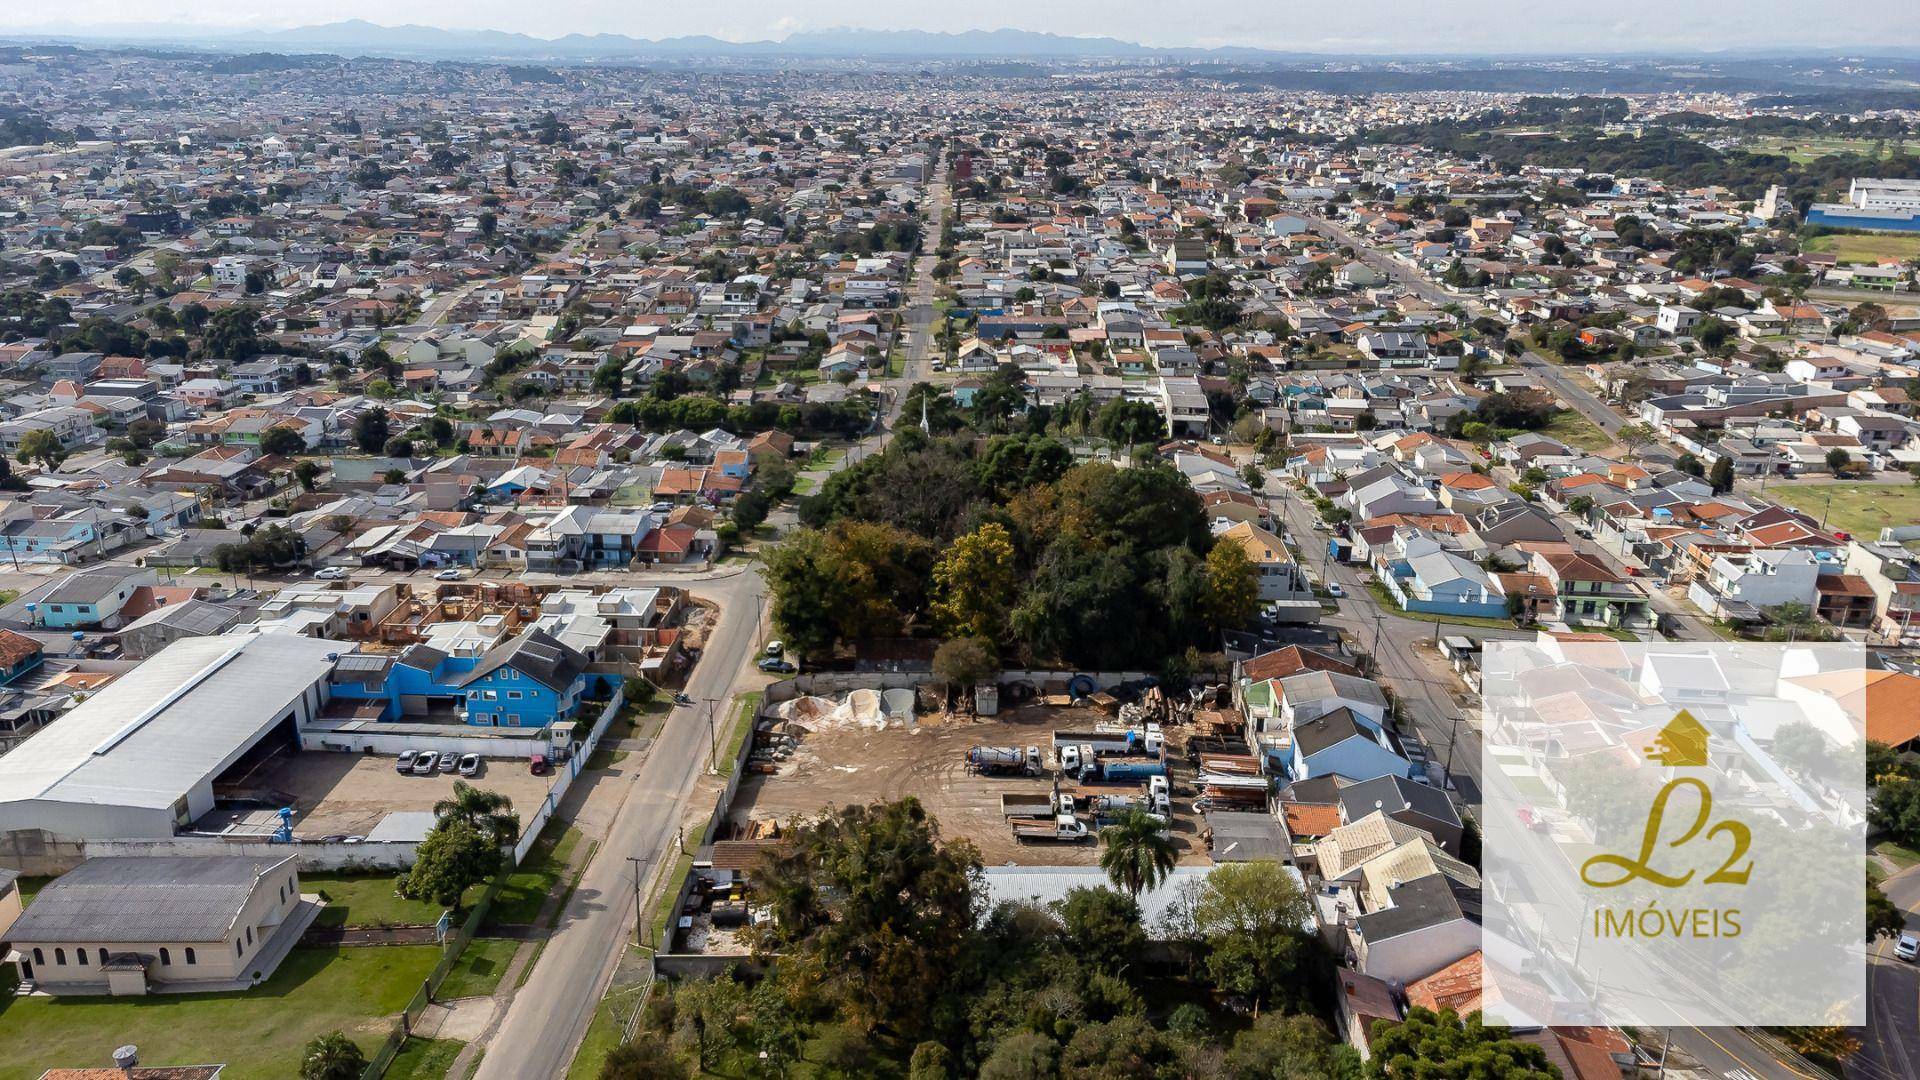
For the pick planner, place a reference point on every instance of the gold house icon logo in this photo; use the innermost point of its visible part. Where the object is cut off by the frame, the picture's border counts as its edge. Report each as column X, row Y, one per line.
column 1683, row 742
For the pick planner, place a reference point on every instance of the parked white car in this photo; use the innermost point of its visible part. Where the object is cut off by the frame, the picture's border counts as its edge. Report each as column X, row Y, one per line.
column 331, row 573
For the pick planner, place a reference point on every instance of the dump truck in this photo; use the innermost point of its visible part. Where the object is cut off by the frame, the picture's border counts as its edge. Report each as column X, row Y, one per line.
column 1035, row 804
column 1005, row 759
column 1063, row 827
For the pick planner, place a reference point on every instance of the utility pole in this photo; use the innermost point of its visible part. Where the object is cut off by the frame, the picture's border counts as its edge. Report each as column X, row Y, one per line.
column 1373, row 656
column 713, row 739
column 638, row 908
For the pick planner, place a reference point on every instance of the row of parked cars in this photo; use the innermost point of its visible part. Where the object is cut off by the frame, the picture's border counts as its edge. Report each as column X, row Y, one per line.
column 424, row 762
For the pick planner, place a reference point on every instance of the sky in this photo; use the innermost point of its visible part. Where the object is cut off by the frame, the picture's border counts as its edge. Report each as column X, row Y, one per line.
column 1364, row 26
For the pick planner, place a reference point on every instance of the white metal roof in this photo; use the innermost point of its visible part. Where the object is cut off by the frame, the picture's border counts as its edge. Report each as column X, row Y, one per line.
column 160, row 729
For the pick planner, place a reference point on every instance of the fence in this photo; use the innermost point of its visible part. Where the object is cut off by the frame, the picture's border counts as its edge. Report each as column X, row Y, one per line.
column 450, row 952
column 572, row 769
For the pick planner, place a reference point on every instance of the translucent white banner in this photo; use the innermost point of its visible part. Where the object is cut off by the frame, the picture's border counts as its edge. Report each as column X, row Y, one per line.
column 1674, row 834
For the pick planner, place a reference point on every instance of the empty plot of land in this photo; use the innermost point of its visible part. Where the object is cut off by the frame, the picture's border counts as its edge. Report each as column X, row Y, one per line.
column 1858, row 509
column 1867, row 247
column 336, row 794
column 850, row 764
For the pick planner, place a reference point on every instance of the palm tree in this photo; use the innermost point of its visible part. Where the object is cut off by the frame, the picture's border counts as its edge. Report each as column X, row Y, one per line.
column 332, row 1056
column 489, row 811
column 1137, row 855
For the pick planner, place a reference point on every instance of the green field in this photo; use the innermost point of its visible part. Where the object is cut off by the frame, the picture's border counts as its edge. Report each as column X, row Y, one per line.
column 527, row 888
column 1860, row 509
column 366, row 900
column 1866, row 247
column 1804, row 148
column 424, row 1059
column 257, row 1033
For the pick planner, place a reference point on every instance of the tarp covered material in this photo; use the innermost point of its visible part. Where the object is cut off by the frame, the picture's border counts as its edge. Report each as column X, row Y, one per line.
column 863, row 708
column 898, row 705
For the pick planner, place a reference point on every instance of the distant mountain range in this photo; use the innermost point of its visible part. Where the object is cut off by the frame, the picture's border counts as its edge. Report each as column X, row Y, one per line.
column 358, row 37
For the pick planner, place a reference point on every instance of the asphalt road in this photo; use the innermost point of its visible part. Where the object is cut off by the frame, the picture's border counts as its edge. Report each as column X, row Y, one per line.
column 550, row 1013
column 1890, row 1043
column 1579, row 397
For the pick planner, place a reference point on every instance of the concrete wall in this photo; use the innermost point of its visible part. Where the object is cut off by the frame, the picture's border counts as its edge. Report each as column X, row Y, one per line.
column 567, row 772
column 381, row 742
column 37, row 854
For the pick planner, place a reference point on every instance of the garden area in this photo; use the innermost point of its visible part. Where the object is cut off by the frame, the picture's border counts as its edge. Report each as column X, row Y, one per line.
column 258, row 1034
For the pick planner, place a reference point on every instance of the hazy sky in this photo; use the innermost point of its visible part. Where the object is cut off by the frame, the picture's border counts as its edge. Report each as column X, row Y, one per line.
column 1348, row 26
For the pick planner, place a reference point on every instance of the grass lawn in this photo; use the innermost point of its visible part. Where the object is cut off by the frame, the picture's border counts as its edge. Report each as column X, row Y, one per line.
column 603, row 1032
column 424, row 1059
column 1577, row 431
column 530, row 884
column 257, row 1033
column 478, row 971
column 805, row 485
column 1866, row 247
column 1802, row 149
column 366, row 900
column 1894, row 853
column 1860, row 509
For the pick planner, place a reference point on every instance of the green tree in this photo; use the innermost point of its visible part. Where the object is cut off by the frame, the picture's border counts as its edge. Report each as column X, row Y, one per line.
column 332, row 1056
column 931, row 1061
column 1136, row 852
column 1292, row 1046
column 974, row 583
column 284, row 441
column 1251, row 916
column 1721, row 475
column 307, row 473
column 1883, row 918
column 43, row 446
column 1022, row 1055
column 1104, row 927
column 488, row 811
column 1895, row 810
column 1233, row 585
column 371, row 430
column 1123, row 1048
column 853, row 580
column 964, row 662
column 873, row 900
column 1430, row 1046
column 1837, row 460
column 646, row 1057
column 453, row 857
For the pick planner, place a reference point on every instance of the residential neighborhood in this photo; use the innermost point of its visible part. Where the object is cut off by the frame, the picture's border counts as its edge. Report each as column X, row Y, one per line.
column 530, row 561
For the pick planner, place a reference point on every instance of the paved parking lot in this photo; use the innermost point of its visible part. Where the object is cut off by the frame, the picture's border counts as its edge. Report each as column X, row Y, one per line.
column 347, row 794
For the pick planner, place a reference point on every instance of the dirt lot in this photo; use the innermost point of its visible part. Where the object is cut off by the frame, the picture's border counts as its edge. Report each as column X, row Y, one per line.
column 837, row 766
column 349, row 793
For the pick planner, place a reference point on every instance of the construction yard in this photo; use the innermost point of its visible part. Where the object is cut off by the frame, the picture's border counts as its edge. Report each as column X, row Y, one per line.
column 846, row 761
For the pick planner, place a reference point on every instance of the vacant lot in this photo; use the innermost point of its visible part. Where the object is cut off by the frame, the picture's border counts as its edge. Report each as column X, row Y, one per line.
column 333, row 794
column 258, row 1034
column 843, row 765
column 1860, row 509
column 1807, row 148
column 1867, row 247
column 1577, row 431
